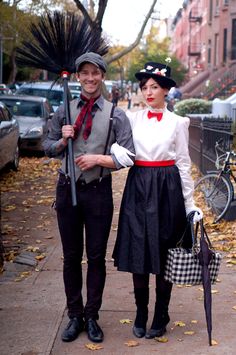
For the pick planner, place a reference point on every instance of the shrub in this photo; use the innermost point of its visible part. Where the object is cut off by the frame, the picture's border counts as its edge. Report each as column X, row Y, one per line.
column 190, row 106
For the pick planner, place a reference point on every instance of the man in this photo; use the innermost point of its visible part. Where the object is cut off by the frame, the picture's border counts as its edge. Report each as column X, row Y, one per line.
column 90, row 115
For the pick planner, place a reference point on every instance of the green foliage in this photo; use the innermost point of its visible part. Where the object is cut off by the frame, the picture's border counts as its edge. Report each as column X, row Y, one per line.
column 190, row 106
column 152, row 49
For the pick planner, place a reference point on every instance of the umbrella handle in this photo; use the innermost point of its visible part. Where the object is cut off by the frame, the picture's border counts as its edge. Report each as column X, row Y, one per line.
column 203, row 233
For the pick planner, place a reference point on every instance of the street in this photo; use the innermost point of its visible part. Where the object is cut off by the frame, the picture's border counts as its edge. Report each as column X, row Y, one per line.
column 32, row 301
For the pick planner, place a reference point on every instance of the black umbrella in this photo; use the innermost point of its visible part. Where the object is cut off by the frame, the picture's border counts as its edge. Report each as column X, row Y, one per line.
column 57, row 40
column 205, row 255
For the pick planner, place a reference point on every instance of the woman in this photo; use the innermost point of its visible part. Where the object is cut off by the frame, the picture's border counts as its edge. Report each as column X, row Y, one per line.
column 157, row 198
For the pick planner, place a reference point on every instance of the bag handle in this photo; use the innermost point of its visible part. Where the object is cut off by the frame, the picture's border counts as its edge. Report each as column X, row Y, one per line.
column 193, row 235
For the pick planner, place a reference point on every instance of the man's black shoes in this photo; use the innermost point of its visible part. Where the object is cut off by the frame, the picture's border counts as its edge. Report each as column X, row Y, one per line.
column 95, row 333
column 73, row 329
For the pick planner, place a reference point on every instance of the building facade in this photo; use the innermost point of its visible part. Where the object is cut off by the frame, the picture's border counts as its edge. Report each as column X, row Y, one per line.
column 204, row 38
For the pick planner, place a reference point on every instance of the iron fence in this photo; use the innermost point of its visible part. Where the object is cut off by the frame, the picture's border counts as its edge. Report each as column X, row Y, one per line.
column 203, row 133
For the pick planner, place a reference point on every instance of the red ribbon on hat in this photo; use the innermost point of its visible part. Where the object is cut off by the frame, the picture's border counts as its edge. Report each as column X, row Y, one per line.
column 158, row 115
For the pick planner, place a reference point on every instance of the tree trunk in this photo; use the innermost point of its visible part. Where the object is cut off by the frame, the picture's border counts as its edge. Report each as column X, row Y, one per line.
column 1, row 254
column 12, row 76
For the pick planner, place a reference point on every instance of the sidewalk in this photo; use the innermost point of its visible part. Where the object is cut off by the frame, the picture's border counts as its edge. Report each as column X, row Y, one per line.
column 32, row 312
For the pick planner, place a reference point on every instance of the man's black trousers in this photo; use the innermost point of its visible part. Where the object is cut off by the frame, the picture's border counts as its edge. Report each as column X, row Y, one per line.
column 92, row 215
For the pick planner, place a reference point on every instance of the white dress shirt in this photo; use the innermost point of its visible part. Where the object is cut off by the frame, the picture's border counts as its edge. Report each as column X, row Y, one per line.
column 164, row 140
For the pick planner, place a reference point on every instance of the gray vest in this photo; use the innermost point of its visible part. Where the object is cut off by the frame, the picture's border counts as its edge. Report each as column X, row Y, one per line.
column 95, row 144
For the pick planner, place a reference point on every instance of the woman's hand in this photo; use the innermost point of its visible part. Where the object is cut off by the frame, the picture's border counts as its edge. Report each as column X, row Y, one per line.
column 198, row 214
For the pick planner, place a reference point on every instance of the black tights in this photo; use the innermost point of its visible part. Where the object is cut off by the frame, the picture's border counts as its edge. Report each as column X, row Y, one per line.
column 163, row 287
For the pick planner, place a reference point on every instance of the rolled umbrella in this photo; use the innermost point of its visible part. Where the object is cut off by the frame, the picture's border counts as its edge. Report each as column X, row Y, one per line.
column 57, row 40
column 205, row 255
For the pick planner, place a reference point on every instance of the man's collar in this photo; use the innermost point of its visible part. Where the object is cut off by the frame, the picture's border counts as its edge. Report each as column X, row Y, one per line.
column 99, row 102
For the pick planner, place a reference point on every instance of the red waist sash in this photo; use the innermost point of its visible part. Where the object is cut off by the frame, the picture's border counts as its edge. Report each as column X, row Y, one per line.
column 154, row 163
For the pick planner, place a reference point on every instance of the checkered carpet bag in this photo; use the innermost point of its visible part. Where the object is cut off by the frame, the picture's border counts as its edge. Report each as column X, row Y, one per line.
column 183, row 266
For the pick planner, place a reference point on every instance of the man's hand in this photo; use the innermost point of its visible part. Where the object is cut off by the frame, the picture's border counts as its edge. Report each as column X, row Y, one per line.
column 68, row 132
column 87, row 161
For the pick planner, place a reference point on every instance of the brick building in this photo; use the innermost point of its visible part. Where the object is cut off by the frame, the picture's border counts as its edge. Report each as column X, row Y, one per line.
column 204, row 40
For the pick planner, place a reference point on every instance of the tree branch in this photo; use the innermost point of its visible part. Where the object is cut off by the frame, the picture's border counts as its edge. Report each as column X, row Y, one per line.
column 136, row 42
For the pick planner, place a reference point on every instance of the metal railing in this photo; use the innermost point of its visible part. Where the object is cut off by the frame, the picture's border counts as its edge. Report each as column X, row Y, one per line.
column 203, row 133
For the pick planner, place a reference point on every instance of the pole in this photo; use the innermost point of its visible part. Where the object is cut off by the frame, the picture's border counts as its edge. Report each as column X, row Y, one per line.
column 1, row 59
column 70, row 152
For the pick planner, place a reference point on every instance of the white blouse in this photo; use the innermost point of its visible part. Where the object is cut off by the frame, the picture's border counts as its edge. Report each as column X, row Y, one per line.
column 164, row 140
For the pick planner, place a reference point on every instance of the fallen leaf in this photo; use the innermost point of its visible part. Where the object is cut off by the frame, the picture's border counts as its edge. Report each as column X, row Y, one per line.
column 194, row 321
column 40, row 257
column 179, row 324
column 189, row 332
column 92, row 346
column 231, row 261
column 161, row 339
column 132, row 343
column 125, row 321
column 214, row 342
column 9, row 208
column 25, row 273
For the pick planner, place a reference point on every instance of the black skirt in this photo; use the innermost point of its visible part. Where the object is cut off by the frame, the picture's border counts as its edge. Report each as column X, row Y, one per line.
column 152, row 219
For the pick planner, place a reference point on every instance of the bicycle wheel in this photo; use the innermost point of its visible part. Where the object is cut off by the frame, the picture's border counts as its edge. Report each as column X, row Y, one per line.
column 216, row 191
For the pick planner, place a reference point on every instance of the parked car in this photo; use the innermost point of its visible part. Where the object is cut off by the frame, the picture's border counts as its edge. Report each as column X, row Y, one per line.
column 15, row 86
column 75, row 88
column 9, row 139
column 54, row 93
column 4, row 89
column 33, row 114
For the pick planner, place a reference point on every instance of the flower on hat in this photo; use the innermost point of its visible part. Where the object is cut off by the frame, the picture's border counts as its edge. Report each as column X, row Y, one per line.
column 168, row 60
column 160, row 72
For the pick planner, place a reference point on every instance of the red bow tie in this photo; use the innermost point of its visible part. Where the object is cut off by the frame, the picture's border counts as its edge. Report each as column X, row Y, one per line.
column 158, row 115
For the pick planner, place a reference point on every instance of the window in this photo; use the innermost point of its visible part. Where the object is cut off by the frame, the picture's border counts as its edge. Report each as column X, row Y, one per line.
column 209, row 52
column 225, row 45
column 211, row 11
column 216, row 50
column 233, row 42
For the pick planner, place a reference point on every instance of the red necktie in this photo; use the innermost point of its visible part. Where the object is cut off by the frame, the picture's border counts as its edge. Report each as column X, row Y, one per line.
column 158, row 115
column 86, row 109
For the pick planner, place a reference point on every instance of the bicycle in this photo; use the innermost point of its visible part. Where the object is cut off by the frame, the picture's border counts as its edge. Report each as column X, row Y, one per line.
column 216, row 187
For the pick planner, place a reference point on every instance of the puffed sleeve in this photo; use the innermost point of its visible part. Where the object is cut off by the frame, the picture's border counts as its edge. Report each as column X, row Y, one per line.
column 183, row 160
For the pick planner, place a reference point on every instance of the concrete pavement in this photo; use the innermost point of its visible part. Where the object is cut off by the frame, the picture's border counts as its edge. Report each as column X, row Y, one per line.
column 33, row 314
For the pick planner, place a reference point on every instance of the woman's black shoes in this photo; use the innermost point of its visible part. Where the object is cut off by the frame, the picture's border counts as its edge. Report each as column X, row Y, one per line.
column 73, row 329
column 139, row 332
column 153, row 333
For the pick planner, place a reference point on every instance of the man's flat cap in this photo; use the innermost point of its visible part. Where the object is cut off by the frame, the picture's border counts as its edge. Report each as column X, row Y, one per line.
column 92, row 58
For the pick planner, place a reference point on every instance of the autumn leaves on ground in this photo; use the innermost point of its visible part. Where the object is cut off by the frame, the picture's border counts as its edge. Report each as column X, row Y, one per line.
column 27, row 216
